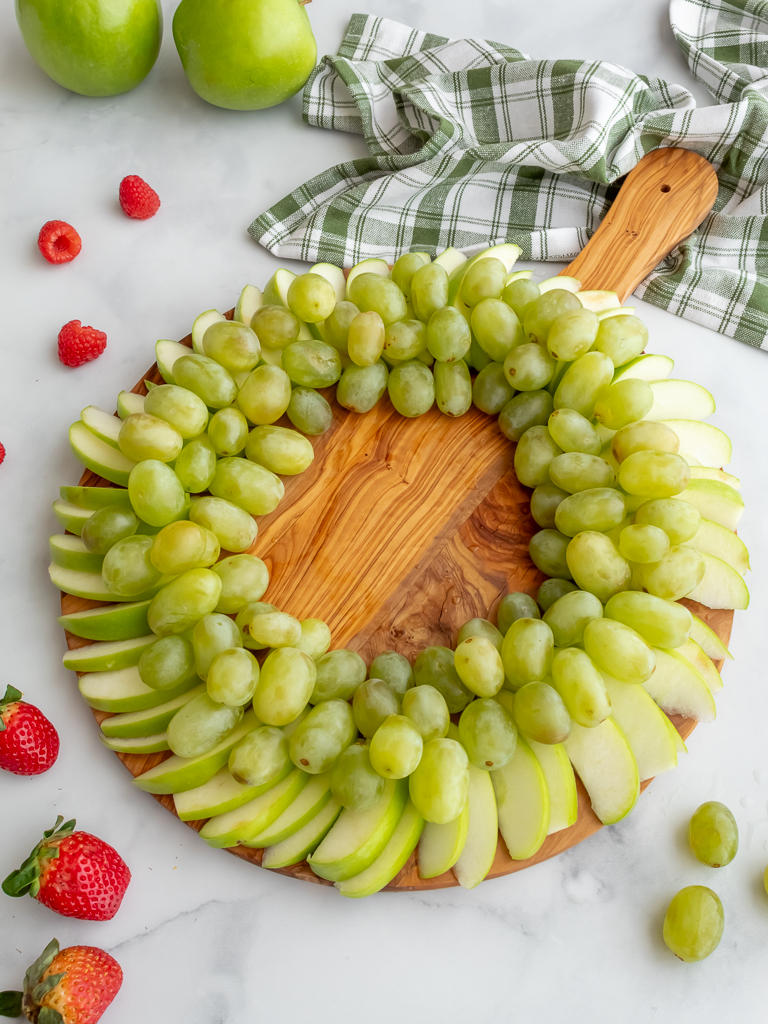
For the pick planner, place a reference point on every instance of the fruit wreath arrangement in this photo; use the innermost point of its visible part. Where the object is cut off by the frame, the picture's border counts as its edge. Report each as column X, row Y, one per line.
column 289, row 746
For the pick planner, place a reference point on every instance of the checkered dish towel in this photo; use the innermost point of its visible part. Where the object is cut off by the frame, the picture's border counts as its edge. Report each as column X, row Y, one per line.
column 473, row 143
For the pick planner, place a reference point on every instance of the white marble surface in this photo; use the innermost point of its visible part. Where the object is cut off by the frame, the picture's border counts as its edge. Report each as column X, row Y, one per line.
column 201, row 936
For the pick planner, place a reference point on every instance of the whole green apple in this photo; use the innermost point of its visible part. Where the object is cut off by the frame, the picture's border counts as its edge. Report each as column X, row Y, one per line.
column 244, row 54
column 93, row 47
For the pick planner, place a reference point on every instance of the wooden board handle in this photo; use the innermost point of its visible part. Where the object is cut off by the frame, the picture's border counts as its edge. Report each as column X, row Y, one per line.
column 665, row 197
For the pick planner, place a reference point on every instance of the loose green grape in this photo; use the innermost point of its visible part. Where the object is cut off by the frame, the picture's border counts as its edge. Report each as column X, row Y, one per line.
column 575, row 471
column 583, row 381
column 232, row 677
column 534, row 453
column 571, row 334
column 234, row 346
column 260, row 756
column 200, row 725
column 543, row 312
column 448, row 335
column 309, row 412
column 228, row 431
column 280, row 450
column 675, row 575
column 526, row 410
column 679, row 520
column 182, row 602
column 618, row 650
column 513, row 607
column 545, row 501
column 596, row 565
column 519, row 295
column 248, row 485
column 491, row 390
column 312, row 364
column 476, row 357
column 265, row 395
column 275, row 629
column 643, row 543
column 527, row 652
column 148, row 437
column 411, row 388
column 156, row 493
column 623, row 403
column 243, row 622
column 497, row 328
column 167, row 663
column 213, row 634
column 373, row 702
column 178, row 547
column 339, row 673
column 179, row 407
column 315, row 637
column 354, row 781
column 336, row 327
column 285, row 684
column 645, row 436
column 621, row 338
column 377, row 294
column 654, row 474
column 320, row 738
column 483, row 628
column 548, row 550
column 439, row 786
column 404, row 269
column 106, row 527
column 551, row 591
column 479, row 666
column 453, row 387
column 569, row 615
column 127, row 569
column 365, row 341
column 196, row 464
column 233, row 527
column 598, row 508
column 541, row 714
column 429, row 291
column 205, row 378
column 434, row 666
column 529, row 367
column 662, row 623
column 394, row 669
column 573, row 432
column 396, row 747
column 426, row 708
column 361, row 387
column 405, row 339
column 311, row 298
column 488, row 734
column 693, row 925
column 275, row 326
column 244, row 579
column 581, row 687
column 483, row 280
column 714, row 834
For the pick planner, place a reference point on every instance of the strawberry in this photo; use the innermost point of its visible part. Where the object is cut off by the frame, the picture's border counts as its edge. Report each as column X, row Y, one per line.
column 73, row 873
column 69, row 986
column 29, row 744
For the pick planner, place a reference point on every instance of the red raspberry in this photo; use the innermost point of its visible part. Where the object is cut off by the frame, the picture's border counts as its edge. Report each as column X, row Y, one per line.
column 78, row 344
column 137, row 199
column 2, row 453
column 58, row 241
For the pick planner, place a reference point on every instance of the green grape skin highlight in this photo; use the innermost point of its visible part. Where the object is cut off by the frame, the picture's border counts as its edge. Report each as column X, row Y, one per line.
column 623, row 403
column 339, row 673
column 243, row 622
column 319, row 739
column 491, row 390
column 527, row 652
column 275, row 327
column 693, row 925
column 232, row 526
column 575, row 471
column 582, row 382
column 248, row 485
column 571, row 334
column 232, row 677
column 311, row 298
column 479, row 666
column 435, row 666
column 569, row 615
column 178, row 547
column 643, row 543
column 106, row 527
column 551, row 591
column 497, row 329
column 581, row 687
column 365, row 339
column 542, row 313
column 167, row 663
column 619, row 651
column 311, row 364
column 377, row 294
column 244, row 579
column 156, row 493
column 534, row 453
column 675, row 575
column 661, row 623
column 448, row 335
column 233, row 345
column 394, row 669
column 596, row 565
column 405, row 339
column 265, row 395
column 411, row 388
column 679, row 520
column 453, row 387
column 196, row 464
column 654, row 474
column 182, row 602
column 548, row 550
column 540, row 713
column 573, row 432
column 361, row 387
column 598, row 508
column 484, row 279
column 200, row 725
column 354, row 781
column 713, row 834
column 212, row 635
column 275, row 629
column 488, row 734
column 285, row 684
column 205, row 378
column 429, row 291
column 373, row 702
column 529, row 367
column 187, row 413
column 259, row 757
column 545, row 501
column 127, row 569
column 483, row 628
column 526, row 410
column 519, row 294
column 144, row 437
column 228, row 431
column 315, row 637
column 426, row 708
column 396, row 747
column 645, row 436
column 404, row 269
column 308, row 411
column 514, row 606
column 439, row 786
column 621, row 338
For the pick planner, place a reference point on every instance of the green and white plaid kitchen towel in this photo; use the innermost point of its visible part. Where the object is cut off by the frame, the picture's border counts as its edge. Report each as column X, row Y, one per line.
column 473, row 143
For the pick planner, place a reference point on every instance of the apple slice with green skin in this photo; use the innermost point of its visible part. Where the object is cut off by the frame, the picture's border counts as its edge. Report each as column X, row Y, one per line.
column 242, row 824
column 715, row 501
column 709, row 445
column 222, row 793
column 703, row 665
column 304, row 842
column 678, row 688
column 708, row 473
column 374, row 266
column 102, row 424
column 276, row 294
column 599, row 301
column 358, row 837
column 70, row 516
column 335, row 276
column 563, row 283
column 450, row 259
column 608, row 314
column 70, row 553
column 440, row 846
column 99, row 456
column 249, row 301
column 722, row 586
column 507, row 253
column 137, row 744
column 149, row 721
column 176, row 774
column 107, row 656
column 166, row 354
column 709, row 641
column 680, row 399
column 201, row 325
column 123, row 691
column 476, row 858
column 715, row 539
column 646, row 367
column 96, row 497
column 313, row 797
column 561, row 784
column 115, row 622
column 391, row 859
column 607, row 767
column 91, row 586
column 129, row 403
column 523, row 802
column 644, row 726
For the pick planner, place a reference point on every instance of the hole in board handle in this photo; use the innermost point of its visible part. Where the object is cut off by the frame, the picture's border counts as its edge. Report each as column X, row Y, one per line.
column 666, row 188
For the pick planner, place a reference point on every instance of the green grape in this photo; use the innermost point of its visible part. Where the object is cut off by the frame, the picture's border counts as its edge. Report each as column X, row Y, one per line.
column 404, row 269
column 339, row 673
column 394, row 669
column 373, row 702
column 484, row 279
column 178, row 547
column 519, row 294
column 286, row 681
column 596, row 565
column 319, row 739
column 582, row 382
column 361, row 387
column 623, row 403
column 234, row 529
column 167, row 663
column 448, row 335
column 618, row 650
column 575, row 471
column 571, row 334
column 311, row 298
column 598, row 508
column 315, row 637
column 275, row 327
column 248, row 485
column 675, row 575
column 312, row 364
column 439, row 786
column 259, row 757
column 244, row 579
column 365, row 341
column 643, row 543
column 405, row 339
column 426, row 708
column 156, row 493
column 200, row 725
column 714, row 834
column 569, row 615
column 548, row 550
column 426, row 357
column 476, row 357
column 507, row 701
column 213, row 634
column 106, row 527
column 234, row 346
column 654, row 474
column 479, row 666
column 621, row 338
column 453, row 387
column 497, row 328
column 181, row 408
column 573, row 432
column 543, row 312
column 354, row 782
column 545, row 501
column 336, row 327
column 551, row 591
column 515, row 606
column 527, row 652
column 661, row 623
column 309, row 412
column 491, row 390
column 488, row 734
column 534, row 453
column 265, row 395
column 228, row 431
column 196, row 464
column 693, row 925
column 679, row 520
column 480, row 627
column 127, row 569
column 411, row 388
column 232, row 677
column 395, row 748
column 526, row 410
column 205, row 378
column 280, row 450
column 646, row 436
column 541, row 714
column 529, row 367
column 148, row 437
column 377, row 294
column 212, row 550
column 581, row 687
column 182, row 602
column 435, row 666
column 243, row 622
column 429, row 291
column 275, row 629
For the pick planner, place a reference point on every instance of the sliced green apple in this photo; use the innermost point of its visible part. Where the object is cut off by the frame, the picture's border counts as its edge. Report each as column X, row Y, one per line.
column 518, row 275
column 123, row 691
column 523, row 802
column 391, row 859
column 562, row 283
column 600, row 301
column 249, row 301
column 715, row 501
column 440, row 846
column 313, row 797
column 114, row 622
column 561, row 784
column 646, row 367
column 129, row 403
column 644, row 725
column 200, row 326
column 709, row 641
column 476, row 858
column 71, row 517
column 276, row 294
column 715, row 539
column 99, row 456
column 707, row 444
column 304, row 842
column 220, row 794
column 151, row 720
column 166, row 354
column 708, row 473
column 107, row 656
column 449, row 259
column 374, row 266
column 703, row 665
column 89, row 585
column 722, row 586
column 70, row 553
column 507, row 252
column 678, row 688
column 102, row 424
column 137, row 744
column 96, row 497
column 607, row 767
column 245, row 822
column 680, row 399
column 335, row 276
